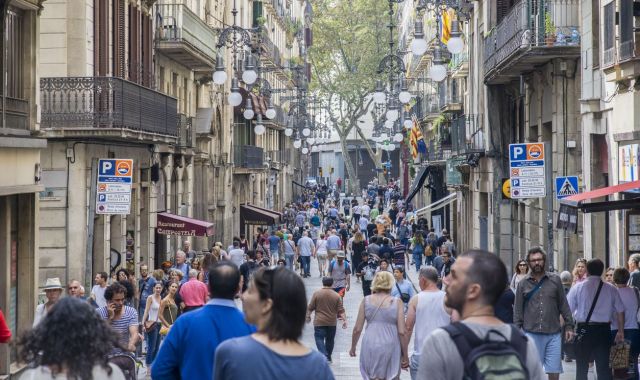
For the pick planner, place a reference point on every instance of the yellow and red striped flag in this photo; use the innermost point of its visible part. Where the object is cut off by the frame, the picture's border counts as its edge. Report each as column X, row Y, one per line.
column 447, row 15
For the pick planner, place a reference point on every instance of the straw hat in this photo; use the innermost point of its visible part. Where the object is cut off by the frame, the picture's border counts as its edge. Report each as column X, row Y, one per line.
column 53, row 283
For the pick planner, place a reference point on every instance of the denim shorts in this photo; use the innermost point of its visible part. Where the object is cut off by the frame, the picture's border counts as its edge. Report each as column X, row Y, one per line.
column 549, row 350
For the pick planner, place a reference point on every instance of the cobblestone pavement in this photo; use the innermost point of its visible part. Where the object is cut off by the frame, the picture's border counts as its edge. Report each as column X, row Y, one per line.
column 345, row 367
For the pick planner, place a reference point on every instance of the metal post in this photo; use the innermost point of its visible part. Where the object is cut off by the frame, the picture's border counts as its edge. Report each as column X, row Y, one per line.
column 549, row 200
column 88, row 270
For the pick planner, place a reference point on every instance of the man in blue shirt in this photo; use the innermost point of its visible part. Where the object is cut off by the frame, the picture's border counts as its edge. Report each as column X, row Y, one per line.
column 188, row 351
column 274, row 247
column 333, row 245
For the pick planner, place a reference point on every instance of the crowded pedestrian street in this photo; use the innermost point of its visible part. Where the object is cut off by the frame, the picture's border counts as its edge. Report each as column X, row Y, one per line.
column 319, row 189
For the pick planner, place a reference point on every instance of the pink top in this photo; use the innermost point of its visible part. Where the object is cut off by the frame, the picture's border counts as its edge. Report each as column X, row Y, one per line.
column 194, row 293
column 5, row 333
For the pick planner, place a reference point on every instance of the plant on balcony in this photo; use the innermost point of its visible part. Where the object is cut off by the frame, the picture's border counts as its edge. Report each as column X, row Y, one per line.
column 549, row 30
column 292, row 28
column 260, row 21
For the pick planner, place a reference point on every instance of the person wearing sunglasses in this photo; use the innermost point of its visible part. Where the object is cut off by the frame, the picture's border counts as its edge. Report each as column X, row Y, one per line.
column 519, row 272
column 276, row 303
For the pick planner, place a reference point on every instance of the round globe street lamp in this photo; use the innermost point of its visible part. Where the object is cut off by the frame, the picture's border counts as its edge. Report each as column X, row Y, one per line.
column 297, row 143
column 438, row 71
column 220, row 75
column 404, row 96
column 419, row 45
column 398, row 137
column 234, row 98
column 259, row 129
column 249, row 74
column 288, row 132
column 305, row 150
column 248, row 110
column 392, row 111
column 271, row 112
column 379, row 96
column 455, row 45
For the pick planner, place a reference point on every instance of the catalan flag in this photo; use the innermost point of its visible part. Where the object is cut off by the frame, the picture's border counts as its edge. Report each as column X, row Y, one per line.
column 447, row 15
column 416, row 141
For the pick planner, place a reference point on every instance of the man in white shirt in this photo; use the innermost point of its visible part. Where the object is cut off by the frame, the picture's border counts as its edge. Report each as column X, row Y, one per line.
column 365, row 210
column 306, row 249
column 595, row 344
column 97, row 292
column 426, row 313
column 236, row 255
column 363, row 223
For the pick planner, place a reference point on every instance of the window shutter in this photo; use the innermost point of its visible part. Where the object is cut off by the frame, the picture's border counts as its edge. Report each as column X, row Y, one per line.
column 100, row 37
column 147, row 40
column 118, row 38
column 257, row 12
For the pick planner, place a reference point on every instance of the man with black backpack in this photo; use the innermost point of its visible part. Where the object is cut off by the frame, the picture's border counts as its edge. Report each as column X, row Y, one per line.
column 487, row 347
column 540, row 301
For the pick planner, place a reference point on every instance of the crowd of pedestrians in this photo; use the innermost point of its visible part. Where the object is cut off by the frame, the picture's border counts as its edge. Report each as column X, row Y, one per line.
column 466, row 317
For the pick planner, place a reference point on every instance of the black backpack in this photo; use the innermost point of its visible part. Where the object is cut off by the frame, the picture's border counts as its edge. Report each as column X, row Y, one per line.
column 486, row 359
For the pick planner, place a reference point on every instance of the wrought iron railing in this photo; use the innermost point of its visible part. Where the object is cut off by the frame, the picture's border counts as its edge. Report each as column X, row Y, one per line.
column 185, row 131
column 248, row 156
column 106, row 102
column 16, row 113
column 271, row 50
column 524, row 27
column 467, row 135
column 179, row 24
column 438, row 151
column 457, row 60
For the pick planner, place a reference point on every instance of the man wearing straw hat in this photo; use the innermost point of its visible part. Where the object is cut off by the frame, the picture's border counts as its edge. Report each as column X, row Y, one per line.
column 53, row 290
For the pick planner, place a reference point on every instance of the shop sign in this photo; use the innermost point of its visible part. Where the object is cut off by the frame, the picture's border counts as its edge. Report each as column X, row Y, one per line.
column 628, row 163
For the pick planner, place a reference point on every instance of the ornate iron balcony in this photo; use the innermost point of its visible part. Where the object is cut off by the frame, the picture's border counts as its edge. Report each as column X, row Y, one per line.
column 531, row 33
column 467, row 135
column 248, row 156
column 106, row 102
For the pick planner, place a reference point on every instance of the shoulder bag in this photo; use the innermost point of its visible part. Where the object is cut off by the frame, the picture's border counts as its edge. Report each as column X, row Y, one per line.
column 405, row 297
column 581, row 331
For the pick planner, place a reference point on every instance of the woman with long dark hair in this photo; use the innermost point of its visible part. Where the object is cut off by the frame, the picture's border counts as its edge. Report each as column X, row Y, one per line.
column 519, row 272
column 71, row 342
column 276, row 304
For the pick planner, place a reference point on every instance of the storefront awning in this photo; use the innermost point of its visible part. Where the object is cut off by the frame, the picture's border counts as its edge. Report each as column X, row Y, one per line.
column 254, row 215
column 301, row 185
column 578, row 200
column 418, row 182
column 437, row 205
column 169, row 224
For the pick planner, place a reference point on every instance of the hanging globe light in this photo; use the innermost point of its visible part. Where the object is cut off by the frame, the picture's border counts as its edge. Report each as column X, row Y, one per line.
column 259, row 129
column 418, row 45
column 219, row 76
column 392, row 111
column 404, row 96
column 389, row 124
column 438, row 71
column 288, row 132
column 249, row 74
column 271, row 112
column 455, row 45
column 398, row 137
column 305, row 150
column 379, row 96
column 234, row 98
column 306, row 132
column 297, row 144
column 314, row 148
column 311, row 140
column 407, row 123
column 248, row 110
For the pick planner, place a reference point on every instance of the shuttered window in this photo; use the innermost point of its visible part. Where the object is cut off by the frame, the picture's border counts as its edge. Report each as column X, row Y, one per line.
column 118, row 38
column 626, row 29
column 101, row 37
column 15, row 50
column 147, row 61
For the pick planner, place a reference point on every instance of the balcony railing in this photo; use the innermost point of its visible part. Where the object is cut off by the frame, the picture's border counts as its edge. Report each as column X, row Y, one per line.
column 185, row 37
column 467, row 135
column 522, row 33
column 185, row 131
column 438, row 151
column 248, row 156
column 270, row 51
column 106, row 102
column 16, row 113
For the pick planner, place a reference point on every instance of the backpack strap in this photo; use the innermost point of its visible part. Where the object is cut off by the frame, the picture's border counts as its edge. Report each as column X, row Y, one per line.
column 519, row 343
column 463, row 337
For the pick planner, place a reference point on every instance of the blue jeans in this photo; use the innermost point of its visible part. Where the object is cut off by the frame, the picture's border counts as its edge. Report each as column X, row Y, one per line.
column 417, row 259
column 289, row 259
column 428, row 260
column 325, row 339
column 306, row 264
column 153, row 343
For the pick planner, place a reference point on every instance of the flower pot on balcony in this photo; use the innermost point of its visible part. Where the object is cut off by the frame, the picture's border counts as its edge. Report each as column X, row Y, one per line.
column 561, row 39
column 550, row 39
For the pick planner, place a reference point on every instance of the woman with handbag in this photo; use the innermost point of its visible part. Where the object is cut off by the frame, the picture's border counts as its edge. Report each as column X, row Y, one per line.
column 385, row 328
column 150, row 323
column 168, row 310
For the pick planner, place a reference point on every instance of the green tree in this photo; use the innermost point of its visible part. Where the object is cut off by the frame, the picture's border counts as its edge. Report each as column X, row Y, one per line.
column 350, row 39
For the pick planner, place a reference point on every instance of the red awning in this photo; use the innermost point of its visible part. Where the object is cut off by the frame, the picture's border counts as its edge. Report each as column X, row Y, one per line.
column 578, row 199
column 169, row 224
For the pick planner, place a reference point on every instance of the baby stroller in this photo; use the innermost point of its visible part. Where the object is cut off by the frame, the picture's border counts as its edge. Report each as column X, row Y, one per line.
column 127, row 363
